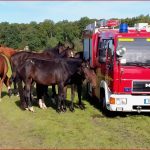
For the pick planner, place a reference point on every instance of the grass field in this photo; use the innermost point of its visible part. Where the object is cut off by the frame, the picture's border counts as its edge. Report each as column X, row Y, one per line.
column 87, row 128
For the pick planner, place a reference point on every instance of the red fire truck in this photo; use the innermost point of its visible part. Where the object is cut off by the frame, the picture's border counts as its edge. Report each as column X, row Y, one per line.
column 121, row 58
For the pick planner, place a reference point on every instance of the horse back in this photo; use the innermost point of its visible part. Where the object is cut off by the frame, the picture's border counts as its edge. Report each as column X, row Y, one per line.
column 50, row 71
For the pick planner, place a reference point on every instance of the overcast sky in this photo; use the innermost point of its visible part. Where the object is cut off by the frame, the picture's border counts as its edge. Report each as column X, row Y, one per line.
column 27, row 11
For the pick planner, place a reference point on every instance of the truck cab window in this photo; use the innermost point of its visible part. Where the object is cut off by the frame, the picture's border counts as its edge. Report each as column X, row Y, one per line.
column 102, row 51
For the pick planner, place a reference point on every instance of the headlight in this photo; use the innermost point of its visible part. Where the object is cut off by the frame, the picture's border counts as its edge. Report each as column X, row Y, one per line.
column 121, row 101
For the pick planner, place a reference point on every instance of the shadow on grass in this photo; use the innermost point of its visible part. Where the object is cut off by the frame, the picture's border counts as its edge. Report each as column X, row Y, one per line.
column 49, row 102
column 4, row 94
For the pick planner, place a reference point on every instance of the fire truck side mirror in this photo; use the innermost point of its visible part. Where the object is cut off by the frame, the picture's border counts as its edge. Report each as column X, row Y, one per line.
column 120, row 51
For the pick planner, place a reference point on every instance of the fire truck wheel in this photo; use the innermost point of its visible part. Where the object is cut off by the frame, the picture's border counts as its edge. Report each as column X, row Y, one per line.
column 102, row 99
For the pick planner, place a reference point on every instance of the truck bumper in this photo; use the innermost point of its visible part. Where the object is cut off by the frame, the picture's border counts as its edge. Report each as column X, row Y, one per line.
column 129, row 103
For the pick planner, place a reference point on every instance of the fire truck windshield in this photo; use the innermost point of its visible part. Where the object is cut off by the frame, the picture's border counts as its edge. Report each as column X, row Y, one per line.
column 137, row 51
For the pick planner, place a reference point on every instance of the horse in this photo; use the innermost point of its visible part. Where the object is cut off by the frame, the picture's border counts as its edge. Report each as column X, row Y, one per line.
column 47, row 72
column 76, row 80
column 3, row 75
column 58, row 49
column 20, row 57
column 42, row 90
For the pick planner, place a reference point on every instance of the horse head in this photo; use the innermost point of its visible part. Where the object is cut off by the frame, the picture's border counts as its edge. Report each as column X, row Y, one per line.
column 89, row 73
column 61, row 47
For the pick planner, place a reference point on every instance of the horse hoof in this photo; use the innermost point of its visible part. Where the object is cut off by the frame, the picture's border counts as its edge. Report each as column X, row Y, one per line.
column 71, row 109
column 58, row 110
column 81, row 107
column 44, row 106
column 9, row 92
column 26, row 109
column 31, row 109
column 40, row 104
column 64, row 109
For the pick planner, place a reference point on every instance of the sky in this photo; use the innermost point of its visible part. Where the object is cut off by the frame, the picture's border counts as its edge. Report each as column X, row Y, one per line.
column 27, row 11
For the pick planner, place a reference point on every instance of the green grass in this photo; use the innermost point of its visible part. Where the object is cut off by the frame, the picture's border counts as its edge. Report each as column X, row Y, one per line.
column 87, row 128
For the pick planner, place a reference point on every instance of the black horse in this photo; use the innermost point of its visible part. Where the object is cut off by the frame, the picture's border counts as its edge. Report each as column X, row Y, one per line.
column 51, row 72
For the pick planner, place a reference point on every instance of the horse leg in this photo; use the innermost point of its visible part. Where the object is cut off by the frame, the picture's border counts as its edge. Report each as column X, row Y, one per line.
column 22, row 95
column 60, row 96
column 6, row 82
column 46, row 91
column 40, row 90
column 53, row 94
column 15, row 87
column 14, row 80
column 1, row 84
column 79, row 90
column 43, row 103
column 72, row 97
column 28, row 95
column 64, row 99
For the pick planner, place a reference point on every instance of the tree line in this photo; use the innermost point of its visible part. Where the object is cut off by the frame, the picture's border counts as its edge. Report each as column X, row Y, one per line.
column 39, row 36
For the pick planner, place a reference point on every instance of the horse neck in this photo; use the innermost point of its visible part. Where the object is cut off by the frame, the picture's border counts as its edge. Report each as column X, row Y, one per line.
column 7, row 52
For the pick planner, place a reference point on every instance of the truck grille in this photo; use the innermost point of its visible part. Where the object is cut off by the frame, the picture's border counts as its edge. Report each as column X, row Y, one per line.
column 141, row 86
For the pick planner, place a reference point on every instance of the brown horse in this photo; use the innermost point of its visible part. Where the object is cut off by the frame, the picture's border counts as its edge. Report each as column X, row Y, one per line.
column 3, row 74
column 58, row 71
column 8, row 52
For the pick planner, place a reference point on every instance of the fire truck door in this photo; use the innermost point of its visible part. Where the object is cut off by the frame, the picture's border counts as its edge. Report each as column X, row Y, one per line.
column 109, row 61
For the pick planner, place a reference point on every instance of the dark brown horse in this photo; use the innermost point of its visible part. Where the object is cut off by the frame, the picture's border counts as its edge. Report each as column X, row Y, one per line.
column 50, row 72
column 3, row 75
column 20, row 57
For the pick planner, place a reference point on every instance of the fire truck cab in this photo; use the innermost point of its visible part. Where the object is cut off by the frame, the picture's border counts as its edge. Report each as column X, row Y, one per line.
column 121, row 58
